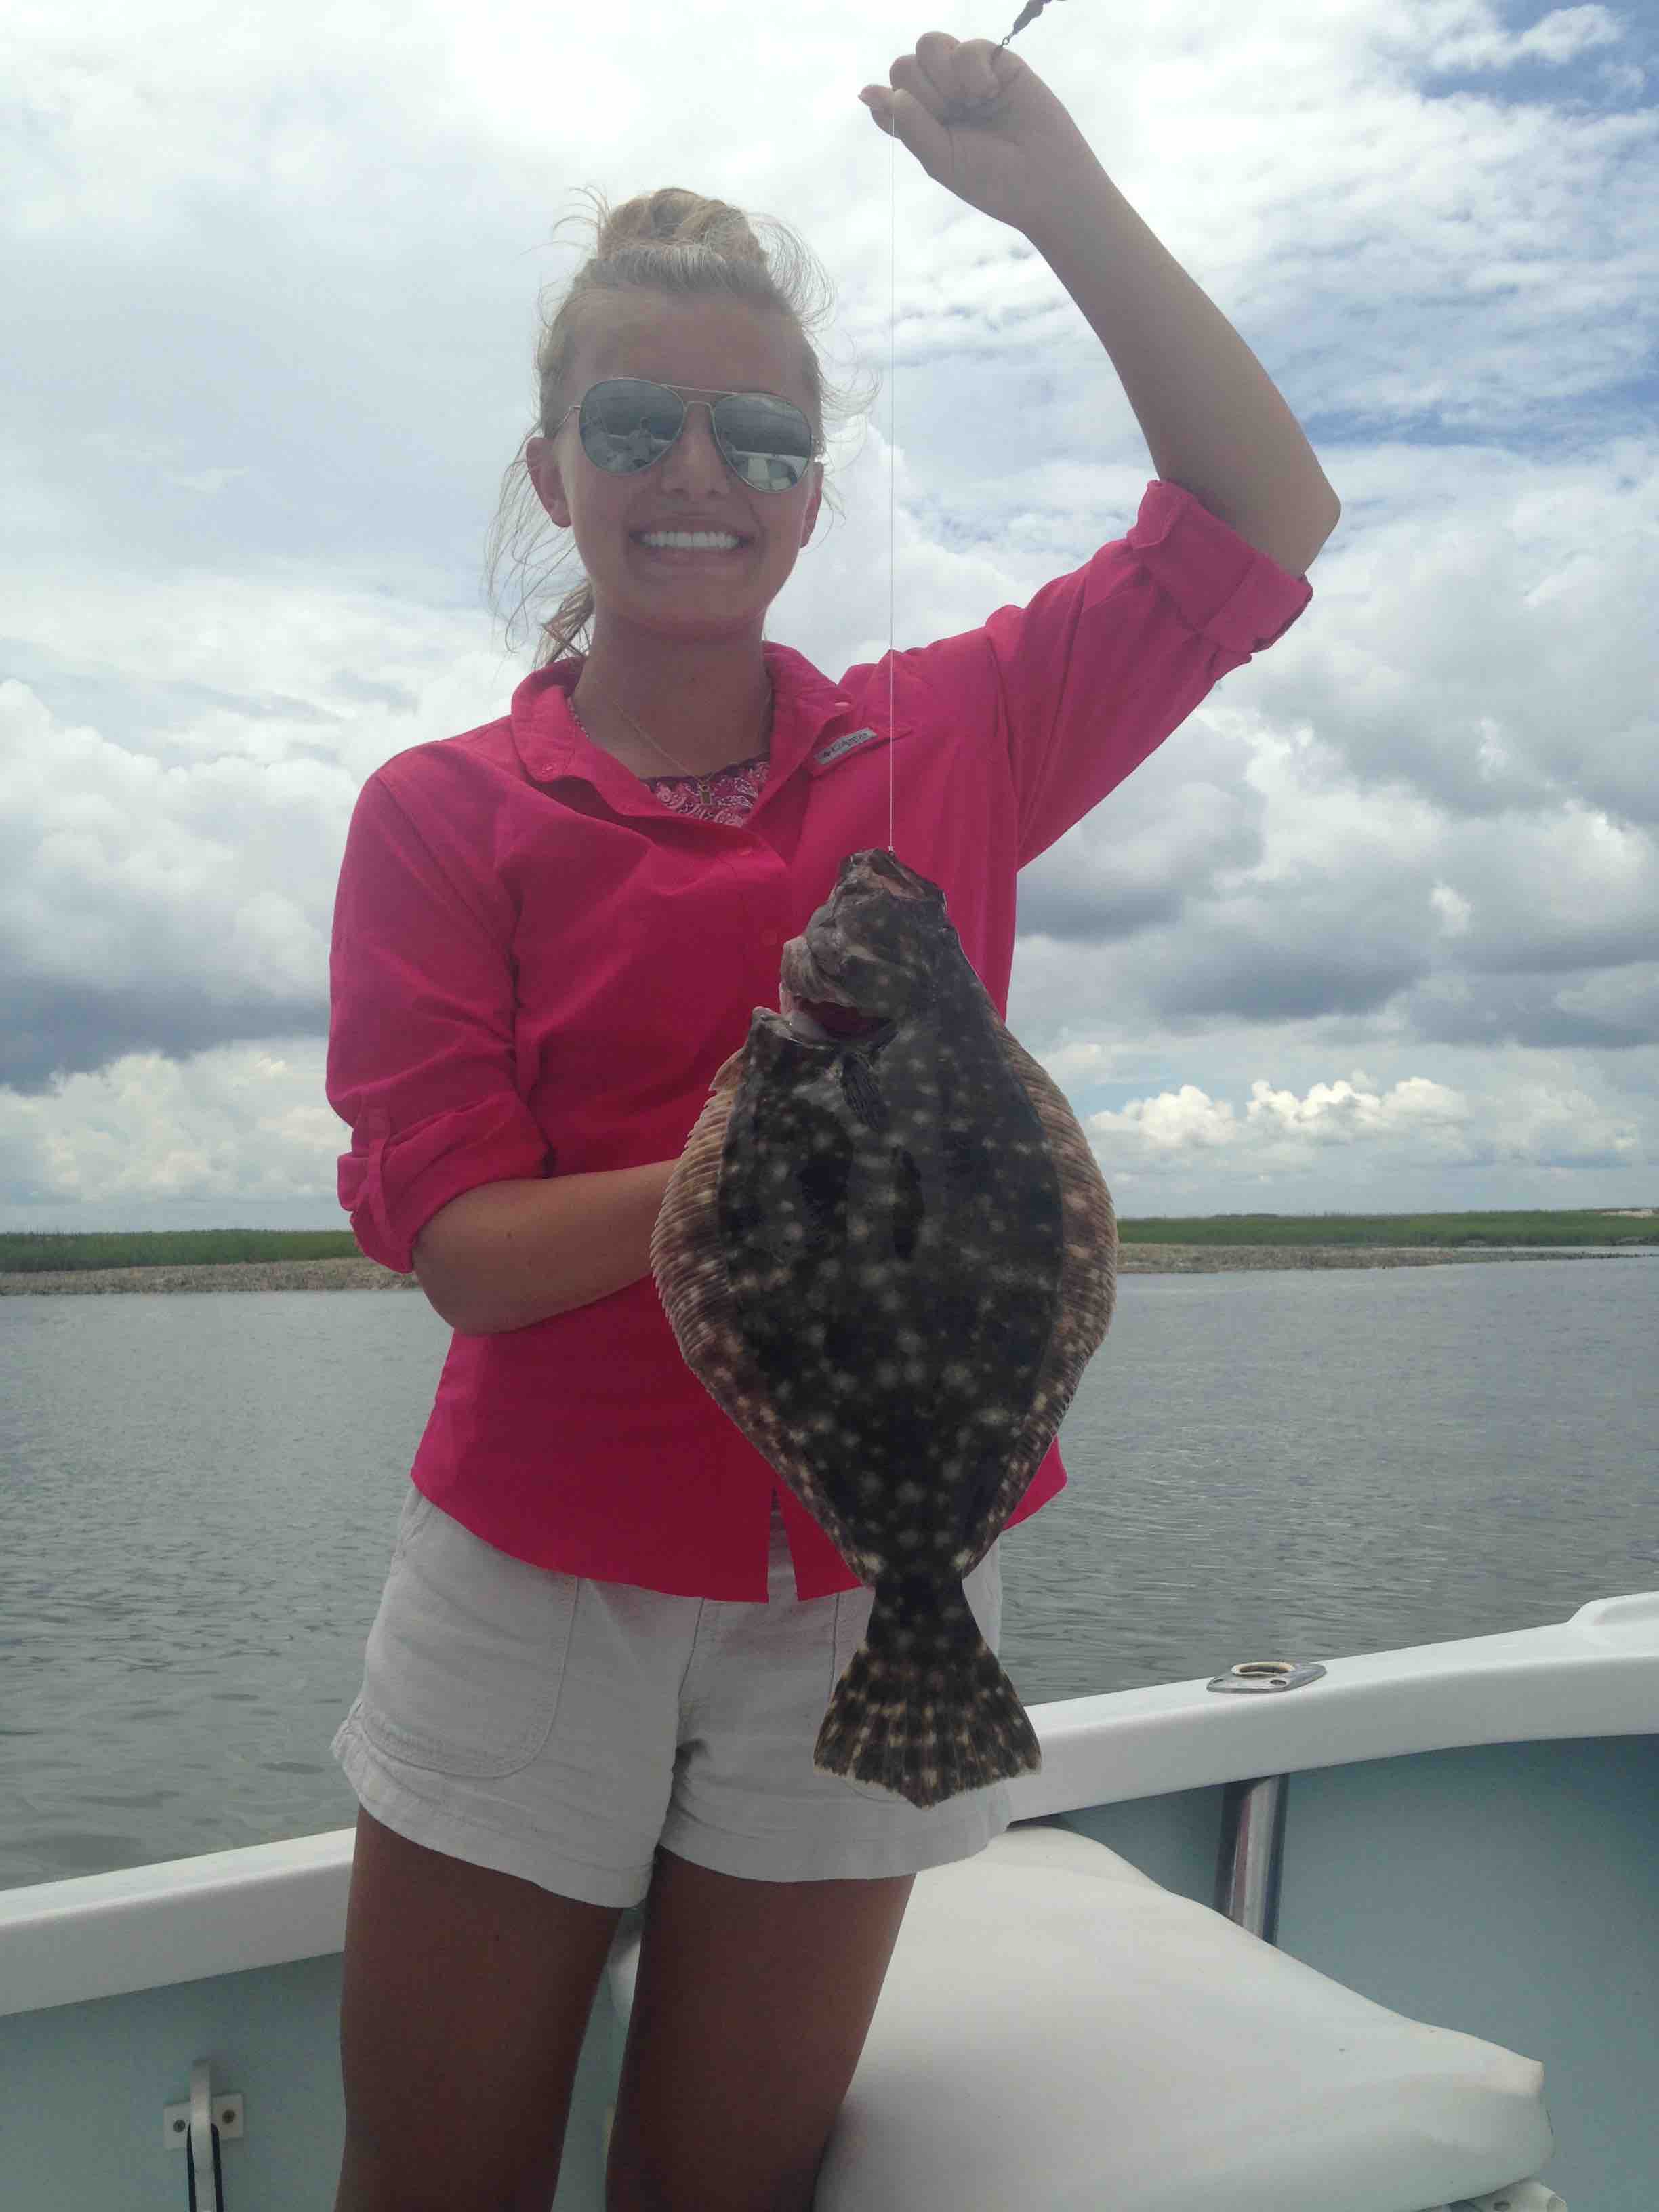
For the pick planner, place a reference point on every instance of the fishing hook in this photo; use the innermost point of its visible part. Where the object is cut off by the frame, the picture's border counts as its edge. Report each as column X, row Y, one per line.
column 1029, row 14
column 960, row 110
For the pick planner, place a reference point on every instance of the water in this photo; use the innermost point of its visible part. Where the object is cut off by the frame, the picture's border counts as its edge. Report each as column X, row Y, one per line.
column 198, row 1496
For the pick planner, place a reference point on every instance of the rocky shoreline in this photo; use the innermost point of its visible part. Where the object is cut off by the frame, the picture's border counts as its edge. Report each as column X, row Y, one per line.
column 359, row 1274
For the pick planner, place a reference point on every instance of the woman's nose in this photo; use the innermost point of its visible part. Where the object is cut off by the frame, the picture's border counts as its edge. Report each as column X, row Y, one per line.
column 696, row 454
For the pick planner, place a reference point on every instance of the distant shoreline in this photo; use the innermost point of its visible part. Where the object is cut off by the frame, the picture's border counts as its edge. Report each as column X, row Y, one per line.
column 360, row 1274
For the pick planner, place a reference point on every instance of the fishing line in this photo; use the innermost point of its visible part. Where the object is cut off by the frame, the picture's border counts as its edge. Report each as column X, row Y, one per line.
column 892, row 442
column 1029, row 14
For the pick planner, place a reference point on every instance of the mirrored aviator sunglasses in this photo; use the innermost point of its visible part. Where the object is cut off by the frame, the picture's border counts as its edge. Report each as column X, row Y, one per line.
column 627, row 423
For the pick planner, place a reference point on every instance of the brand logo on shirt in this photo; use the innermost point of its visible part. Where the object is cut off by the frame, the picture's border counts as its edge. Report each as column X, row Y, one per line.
column 827, row 754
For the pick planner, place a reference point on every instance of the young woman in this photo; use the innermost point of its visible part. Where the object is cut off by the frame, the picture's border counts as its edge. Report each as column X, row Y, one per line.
column 608, row 1637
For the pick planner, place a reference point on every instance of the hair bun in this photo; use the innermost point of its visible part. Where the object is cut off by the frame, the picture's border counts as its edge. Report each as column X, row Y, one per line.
column 675, row 216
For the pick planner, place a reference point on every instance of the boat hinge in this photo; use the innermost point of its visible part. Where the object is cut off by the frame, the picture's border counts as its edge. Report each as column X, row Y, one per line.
column 198, row 2129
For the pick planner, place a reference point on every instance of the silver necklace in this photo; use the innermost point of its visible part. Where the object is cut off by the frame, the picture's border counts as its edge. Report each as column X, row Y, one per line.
column 771, row 701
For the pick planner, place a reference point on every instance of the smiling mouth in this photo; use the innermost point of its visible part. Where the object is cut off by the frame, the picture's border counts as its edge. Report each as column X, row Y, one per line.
column 691, row 552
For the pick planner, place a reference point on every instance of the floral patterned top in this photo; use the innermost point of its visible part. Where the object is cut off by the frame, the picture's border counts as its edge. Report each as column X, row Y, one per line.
column 727, row 795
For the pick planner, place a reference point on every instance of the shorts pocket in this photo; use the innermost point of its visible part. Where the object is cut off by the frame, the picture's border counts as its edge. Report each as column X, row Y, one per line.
column 466, row 1659
column 983, row 1590
column 416, row 1509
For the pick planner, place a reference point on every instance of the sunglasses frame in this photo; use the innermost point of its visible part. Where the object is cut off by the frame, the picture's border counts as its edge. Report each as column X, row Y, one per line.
column 690, row 395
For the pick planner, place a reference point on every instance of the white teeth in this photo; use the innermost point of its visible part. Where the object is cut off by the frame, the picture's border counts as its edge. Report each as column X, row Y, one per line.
column 700, row 540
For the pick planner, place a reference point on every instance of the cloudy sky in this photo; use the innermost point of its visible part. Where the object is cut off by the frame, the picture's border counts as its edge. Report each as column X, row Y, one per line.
column 1378, row 928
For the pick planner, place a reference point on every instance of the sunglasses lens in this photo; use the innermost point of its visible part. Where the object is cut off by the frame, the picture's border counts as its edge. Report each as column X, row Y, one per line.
column 768, row 442
column 628, row 423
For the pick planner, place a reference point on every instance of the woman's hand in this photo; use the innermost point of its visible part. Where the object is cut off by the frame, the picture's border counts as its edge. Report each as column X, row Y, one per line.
column 983, row 125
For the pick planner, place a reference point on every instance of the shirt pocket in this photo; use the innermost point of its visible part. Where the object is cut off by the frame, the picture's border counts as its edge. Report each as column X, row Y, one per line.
column 466, row 1660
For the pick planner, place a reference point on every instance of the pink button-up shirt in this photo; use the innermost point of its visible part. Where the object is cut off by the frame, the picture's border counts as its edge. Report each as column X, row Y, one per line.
column 539, row 965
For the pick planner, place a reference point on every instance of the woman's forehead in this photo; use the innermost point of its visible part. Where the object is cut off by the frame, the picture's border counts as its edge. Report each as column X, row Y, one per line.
column 713, row 345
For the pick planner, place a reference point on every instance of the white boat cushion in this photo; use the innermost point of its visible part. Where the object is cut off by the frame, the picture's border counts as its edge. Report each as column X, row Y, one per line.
column 1058, row 2031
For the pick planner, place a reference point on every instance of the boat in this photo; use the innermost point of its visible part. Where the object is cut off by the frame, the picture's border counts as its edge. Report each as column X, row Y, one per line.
column 1372, row 1934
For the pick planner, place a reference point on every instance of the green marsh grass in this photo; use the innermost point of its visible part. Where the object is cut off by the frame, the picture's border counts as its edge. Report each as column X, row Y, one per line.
column 1399, row 1230
column 33, row 1252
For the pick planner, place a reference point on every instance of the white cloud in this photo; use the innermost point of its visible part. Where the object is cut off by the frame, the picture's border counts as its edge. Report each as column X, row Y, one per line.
column 239, row 1123
column 1380, row 1137
column 1280, row 1129
column 1472, row 39
column 1564, row 1126
column 1454, row 910
column 1339, row 1113
column 1186, row 1120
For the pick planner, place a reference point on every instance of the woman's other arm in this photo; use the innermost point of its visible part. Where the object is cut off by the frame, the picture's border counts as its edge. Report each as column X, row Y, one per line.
column 508, row 1254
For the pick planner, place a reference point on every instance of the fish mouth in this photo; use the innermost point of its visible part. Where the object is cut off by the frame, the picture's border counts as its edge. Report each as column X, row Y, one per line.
column 826, row 1021
column 850, row 932
column 815, row 1010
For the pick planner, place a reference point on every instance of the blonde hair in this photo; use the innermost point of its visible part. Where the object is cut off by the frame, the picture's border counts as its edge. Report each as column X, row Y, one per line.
column 676, row 243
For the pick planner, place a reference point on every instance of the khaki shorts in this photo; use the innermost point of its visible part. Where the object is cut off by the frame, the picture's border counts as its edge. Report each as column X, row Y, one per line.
column 561, row 1729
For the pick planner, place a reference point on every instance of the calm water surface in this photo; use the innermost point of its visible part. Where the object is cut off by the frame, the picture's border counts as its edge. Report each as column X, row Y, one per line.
column 198, row 1496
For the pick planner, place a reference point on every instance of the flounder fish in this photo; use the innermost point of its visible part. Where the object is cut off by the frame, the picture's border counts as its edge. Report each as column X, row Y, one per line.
column 888, row 1254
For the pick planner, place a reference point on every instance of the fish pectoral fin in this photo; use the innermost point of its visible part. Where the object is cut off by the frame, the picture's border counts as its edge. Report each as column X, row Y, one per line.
column 862, row 1092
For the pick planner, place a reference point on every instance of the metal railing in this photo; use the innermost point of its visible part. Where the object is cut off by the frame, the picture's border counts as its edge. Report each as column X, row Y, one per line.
column 1251, row 1850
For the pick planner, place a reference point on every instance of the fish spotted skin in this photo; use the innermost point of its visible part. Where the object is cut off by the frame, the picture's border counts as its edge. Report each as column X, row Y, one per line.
column 889, row 1257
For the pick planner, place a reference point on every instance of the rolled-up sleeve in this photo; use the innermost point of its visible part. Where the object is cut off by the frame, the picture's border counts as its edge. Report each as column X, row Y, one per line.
column 421, row 1032
column 1103, row 664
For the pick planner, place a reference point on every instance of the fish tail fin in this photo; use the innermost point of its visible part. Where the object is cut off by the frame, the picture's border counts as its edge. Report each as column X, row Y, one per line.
column 924, row 1708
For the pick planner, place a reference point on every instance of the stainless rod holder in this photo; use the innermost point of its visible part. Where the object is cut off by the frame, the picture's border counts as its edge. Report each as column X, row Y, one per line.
column 1251, row 1853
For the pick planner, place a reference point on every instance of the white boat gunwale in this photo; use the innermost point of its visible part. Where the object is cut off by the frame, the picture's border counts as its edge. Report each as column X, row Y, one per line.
column 223, row 1913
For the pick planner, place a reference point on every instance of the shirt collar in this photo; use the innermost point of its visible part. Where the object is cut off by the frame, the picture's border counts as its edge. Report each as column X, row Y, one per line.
column 552, row 743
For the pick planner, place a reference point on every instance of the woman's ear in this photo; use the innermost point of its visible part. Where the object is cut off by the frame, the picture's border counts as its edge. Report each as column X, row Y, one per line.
column 545, row 473
column 811, row 522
